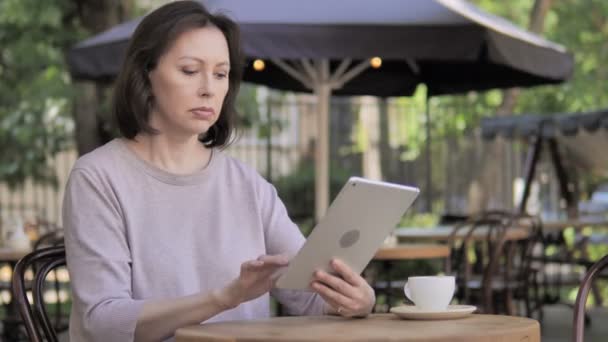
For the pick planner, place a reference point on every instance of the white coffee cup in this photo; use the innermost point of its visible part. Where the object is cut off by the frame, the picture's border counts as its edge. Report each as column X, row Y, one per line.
column 432, row 293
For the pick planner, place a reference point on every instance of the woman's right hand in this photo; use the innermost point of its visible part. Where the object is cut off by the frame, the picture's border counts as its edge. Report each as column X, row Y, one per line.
column 255, row 279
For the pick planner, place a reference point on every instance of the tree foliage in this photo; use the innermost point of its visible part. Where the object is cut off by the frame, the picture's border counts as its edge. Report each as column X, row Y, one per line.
column 579, row 25
column 36, row 93
column 582, row 27
column 34, row 86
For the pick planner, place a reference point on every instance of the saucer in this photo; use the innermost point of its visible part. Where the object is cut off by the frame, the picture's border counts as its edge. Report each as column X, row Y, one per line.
column 452, row 312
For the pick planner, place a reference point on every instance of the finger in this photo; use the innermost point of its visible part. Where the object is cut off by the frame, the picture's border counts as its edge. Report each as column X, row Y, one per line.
column 336, row 283
column 323, row 291
column 335, row 305
column 333, row 298
column 251, row 265
column 346, row 308
column 333, row 295
column 347, row 273
column 277, row 274
column 278, row 259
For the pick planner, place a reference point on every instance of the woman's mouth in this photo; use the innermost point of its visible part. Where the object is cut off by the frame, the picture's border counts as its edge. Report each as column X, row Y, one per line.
column 203, row 113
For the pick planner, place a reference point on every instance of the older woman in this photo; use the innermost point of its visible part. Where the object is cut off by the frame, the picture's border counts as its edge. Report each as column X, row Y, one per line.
column 163, row 229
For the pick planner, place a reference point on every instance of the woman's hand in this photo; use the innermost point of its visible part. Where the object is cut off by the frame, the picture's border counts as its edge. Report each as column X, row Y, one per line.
column 348, row 295
column 255, row 279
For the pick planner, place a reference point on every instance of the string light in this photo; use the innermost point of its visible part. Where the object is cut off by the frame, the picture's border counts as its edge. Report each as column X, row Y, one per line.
column 375, row 62
column 259, row 65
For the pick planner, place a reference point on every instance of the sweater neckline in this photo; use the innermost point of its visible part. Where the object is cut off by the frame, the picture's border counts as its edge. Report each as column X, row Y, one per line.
column 164, row 176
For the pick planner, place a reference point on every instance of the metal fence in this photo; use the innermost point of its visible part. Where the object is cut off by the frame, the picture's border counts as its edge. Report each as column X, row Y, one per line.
column 369, row 137
column 33, row 201
column 386, row 139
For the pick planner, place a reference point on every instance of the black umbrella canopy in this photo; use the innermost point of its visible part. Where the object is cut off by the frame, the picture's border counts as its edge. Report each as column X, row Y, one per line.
column 582, row 136
column 323, row 46
column 450, row 45
column 546, row 126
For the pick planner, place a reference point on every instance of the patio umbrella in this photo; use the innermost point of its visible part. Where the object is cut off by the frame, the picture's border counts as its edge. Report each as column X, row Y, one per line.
column 573, row 139
column 325, row 47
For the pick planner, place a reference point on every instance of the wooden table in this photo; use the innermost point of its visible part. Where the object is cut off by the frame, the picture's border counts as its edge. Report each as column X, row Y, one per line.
column 442, row 233
column 413, row 251
column 551, row 226
column 377, row 327
column 12, row 255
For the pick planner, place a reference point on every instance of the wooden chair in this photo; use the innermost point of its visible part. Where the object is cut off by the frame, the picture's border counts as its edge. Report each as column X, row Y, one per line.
column 49, row 239
column 527, row 271
column 502, row 269
column 581, row 298
column 473, row 278
column 12, row 324
column 59, row 316
column 35, row 317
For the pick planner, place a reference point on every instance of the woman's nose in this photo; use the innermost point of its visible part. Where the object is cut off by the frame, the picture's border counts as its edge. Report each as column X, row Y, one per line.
column 205, row 87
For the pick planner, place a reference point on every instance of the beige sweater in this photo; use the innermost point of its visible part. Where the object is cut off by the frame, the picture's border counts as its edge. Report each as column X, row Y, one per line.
column 135, row 232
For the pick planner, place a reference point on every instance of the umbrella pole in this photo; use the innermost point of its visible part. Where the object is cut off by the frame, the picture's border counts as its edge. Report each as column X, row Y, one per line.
column 429, row 180
column 318, row 77
column 323, row 91
column 326, row 83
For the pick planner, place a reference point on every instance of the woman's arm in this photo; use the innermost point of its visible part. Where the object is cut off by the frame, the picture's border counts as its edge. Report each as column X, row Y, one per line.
column 99, row 262
column 283, row 236
column 159, row 319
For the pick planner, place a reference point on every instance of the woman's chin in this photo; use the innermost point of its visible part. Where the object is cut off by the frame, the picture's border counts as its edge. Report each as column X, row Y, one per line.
column 199, row 129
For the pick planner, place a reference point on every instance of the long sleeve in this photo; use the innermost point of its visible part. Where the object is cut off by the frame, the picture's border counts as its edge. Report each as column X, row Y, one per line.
column 99, row 260
column 283, row 236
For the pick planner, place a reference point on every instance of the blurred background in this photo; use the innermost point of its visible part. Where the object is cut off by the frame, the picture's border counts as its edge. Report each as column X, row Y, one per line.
column 48, row 119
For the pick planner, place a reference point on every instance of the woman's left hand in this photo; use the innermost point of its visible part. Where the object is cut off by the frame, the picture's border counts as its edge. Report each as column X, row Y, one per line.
column 348, row 295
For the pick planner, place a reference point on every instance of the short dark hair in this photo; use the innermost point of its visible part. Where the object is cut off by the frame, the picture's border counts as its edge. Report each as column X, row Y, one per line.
column 133, row 98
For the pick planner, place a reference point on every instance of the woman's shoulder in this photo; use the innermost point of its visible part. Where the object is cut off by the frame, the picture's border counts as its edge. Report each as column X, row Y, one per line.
column 241, row 173
column 103, row 159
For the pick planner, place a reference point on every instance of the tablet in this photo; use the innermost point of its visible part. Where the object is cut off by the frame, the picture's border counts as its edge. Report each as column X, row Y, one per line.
column 354, row 227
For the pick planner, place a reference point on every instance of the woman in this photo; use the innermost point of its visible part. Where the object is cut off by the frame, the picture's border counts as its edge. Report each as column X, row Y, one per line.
column 164, row 230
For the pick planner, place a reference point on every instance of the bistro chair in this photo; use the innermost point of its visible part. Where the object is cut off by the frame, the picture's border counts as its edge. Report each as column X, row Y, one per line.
column 49, row 239
column 581, row 298
column 492, row 271
column 59, row 316
column 35, row 316
column 527, row 270
column 473, row 274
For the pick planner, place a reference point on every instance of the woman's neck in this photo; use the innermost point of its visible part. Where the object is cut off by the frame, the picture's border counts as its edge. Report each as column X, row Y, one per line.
column 178, row 156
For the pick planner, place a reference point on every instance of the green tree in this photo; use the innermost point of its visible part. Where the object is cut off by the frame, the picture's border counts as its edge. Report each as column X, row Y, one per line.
column 581, row 26
column 35, row 87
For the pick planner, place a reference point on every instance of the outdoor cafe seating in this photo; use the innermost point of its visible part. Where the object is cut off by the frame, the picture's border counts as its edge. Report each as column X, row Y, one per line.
column 40, row 326
column 55, row 292
column 494, row 269
column 501, row 271
column 582, row 295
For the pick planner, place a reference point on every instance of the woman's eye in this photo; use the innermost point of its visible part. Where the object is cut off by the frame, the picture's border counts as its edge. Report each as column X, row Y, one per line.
column 221, row 75
column 188, row 71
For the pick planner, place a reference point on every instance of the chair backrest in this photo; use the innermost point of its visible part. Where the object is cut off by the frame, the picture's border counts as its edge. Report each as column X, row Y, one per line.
column 581, row 298
column 497, row 257
column 488, row 252
column 526, row 251
column 35, row 317
column 50, row 238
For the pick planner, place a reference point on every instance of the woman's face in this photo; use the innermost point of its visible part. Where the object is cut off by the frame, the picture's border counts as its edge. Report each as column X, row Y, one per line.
column 190, row 83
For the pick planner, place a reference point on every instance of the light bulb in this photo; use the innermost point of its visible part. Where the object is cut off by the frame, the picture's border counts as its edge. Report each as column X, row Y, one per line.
column 375, row 62
column 258, row 65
